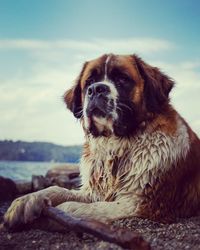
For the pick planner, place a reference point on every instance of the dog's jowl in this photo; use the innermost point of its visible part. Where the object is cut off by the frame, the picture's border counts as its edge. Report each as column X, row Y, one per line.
column 140, row 158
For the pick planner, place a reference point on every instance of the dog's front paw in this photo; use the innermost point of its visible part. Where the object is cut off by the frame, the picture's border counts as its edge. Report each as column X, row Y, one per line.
column 25, row 209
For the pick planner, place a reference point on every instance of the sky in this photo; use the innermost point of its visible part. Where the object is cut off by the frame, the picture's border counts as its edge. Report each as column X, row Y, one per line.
column 43, row 45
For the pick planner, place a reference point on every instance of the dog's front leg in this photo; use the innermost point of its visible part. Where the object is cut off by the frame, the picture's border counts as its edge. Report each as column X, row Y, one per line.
column 101, row 211
column 28, row 207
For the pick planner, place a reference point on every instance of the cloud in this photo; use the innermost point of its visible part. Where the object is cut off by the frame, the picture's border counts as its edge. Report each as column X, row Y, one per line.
column 37, row 113
column 30, row 97
column 31, row 104
column 145, row 45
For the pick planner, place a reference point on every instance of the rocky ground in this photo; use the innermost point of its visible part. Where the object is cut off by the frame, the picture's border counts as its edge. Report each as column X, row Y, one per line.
column 185, row 234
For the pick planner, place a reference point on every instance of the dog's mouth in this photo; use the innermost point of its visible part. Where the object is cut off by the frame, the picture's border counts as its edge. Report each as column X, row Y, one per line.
column 100, row 126
column 99, row 119
column 105, row 120
column 100, row 107
column 96, row 111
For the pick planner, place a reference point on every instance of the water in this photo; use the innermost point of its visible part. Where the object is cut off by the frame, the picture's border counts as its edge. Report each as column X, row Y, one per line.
column 18, row 170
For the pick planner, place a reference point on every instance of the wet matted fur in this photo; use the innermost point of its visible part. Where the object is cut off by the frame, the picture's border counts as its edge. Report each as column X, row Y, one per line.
column 140, row 157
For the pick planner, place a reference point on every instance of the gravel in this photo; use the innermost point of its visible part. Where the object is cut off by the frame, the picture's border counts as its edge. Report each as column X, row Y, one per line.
column 184, row 234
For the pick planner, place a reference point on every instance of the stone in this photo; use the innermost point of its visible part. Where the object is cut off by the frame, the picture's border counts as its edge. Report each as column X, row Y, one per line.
column 8, row 189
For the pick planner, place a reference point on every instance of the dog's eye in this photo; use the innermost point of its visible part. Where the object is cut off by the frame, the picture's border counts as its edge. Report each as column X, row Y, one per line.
column 89, row 81
column 92, row 78
column 123, row 81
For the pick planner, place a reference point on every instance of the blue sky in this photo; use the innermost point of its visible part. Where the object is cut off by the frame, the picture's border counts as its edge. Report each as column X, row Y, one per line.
column 44, row 43
column 113, row 19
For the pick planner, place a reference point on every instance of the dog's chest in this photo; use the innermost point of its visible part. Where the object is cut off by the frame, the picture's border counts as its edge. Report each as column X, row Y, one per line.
column 114, row 167
column 118, row 166
column 102, row 167
column 104, row 176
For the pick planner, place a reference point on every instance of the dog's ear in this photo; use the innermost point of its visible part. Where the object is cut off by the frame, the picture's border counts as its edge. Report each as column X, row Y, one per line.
column 156, row 85
column 72, row 97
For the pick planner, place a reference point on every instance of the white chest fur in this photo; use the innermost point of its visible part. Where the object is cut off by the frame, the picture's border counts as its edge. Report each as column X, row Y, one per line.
column 118, row 166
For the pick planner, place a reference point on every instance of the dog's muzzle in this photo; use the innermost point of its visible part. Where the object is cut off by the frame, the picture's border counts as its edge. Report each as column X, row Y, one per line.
column 99, row 102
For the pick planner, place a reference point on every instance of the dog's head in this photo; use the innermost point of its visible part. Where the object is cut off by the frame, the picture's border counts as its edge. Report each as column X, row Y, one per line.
column 116, row 94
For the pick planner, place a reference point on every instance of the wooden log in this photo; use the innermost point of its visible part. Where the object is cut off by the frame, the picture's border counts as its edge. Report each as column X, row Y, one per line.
column 68, row 169
column 39, row 182
column 23, row 186
column 122, row 237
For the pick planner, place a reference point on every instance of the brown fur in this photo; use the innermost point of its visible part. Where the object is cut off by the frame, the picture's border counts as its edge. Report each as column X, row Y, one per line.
column 176, row 193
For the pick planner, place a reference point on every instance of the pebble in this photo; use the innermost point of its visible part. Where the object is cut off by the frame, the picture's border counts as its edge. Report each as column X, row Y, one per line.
column 184, row 235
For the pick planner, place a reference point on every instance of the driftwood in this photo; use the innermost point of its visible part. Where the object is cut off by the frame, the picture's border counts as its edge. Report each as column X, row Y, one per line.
column 122, row 237
column 23, row 186
column 39, row 182
column 66, row 176
column 70, row 170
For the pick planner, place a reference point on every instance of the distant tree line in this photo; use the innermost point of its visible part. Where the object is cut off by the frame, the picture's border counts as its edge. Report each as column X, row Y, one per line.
column 38, row 151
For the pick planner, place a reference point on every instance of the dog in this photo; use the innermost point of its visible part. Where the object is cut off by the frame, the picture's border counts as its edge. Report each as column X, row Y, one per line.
column 140, row 158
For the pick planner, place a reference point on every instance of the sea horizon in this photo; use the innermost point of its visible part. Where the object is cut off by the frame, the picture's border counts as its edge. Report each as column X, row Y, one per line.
column 23, row 170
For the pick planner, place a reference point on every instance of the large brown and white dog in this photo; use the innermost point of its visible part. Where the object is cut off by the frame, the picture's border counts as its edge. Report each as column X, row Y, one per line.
column 140, row 157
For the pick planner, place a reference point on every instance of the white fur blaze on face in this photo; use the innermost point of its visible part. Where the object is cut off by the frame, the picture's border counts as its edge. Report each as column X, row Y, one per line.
column 106, row 68
column 113, row 91
column 112, row 98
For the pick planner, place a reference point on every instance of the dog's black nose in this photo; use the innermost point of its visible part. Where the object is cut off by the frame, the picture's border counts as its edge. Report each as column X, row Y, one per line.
column 98, row 89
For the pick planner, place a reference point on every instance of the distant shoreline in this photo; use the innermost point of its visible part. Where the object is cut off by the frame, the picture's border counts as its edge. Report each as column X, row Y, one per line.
column 38, row 152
